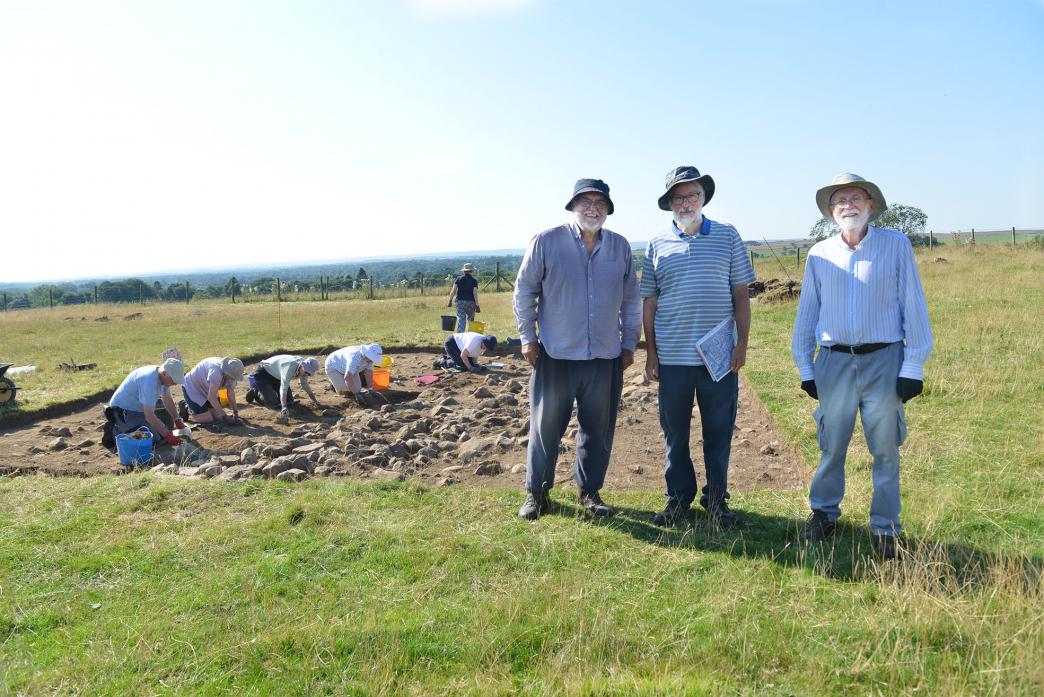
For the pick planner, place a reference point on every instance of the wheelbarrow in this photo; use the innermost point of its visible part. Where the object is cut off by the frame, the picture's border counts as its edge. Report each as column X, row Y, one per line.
column 7, row 386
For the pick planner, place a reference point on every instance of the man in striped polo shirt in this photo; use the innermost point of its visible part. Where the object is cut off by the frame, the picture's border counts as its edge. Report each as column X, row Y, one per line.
column 694, row 276
column 862, row 302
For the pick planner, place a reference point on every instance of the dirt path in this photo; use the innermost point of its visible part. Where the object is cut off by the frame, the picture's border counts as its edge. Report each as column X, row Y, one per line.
column 465, row 428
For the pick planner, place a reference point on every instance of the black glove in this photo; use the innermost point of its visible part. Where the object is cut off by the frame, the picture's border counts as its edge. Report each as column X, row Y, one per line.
column 908, row 388
column 809, row 386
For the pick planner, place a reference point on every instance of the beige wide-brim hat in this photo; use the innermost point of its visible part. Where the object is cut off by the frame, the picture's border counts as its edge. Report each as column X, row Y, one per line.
column 468, row 268
column 843, row 181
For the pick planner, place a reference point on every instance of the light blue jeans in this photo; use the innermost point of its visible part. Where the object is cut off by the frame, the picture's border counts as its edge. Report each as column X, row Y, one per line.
column 465, row 312
column 865, row 384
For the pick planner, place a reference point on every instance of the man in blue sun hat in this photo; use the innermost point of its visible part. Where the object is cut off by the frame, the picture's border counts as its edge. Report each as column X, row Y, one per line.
column 694, row 278
column 863, row 305
column 577, row 284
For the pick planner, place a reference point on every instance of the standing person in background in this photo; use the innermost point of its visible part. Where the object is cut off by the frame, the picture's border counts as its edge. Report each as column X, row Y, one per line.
column 465, row 290
column 202, row 390
column 862, row 303
column 349, row 368
column 133, row 404
column 577, row 284
column 270, row 384
column 694, row 277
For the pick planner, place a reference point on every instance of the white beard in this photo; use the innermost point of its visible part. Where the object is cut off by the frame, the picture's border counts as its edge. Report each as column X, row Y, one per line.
column 684, row 221
column 853, row 223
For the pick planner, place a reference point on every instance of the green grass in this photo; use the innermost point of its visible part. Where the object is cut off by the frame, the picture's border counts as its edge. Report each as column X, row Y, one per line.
column 143, row 584
column 47, row 337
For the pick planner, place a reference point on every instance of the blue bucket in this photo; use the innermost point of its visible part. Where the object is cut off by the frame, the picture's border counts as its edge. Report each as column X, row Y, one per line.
column 134, row 451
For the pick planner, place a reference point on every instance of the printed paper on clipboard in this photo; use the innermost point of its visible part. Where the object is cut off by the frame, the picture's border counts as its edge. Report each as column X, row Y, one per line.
column 715, row 349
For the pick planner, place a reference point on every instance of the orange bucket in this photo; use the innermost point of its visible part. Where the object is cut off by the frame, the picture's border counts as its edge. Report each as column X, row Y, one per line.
column 381, row 378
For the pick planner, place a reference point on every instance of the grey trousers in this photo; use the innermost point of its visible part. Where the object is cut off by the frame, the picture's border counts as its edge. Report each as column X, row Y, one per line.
column 555, row 385
column 865, row 384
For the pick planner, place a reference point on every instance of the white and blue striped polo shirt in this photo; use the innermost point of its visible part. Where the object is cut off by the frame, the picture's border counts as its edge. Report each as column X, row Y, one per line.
column 692, row 279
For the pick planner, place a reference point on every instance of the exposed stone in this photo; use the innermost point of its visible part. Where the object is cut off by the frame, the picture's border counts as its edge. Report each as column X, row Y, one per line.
column 464, row 436
column 276, row 450
column 308, row 449
column 58, row 444
column 473, row 449
column 280, row 464
column 323, row 471
column 292, row 475
column 209, row 471
column 188, row 471
column 387, row 475
column 61, row 431
column 85, row 443
column 228, row 460
column 448, row 402
column 519, row 468
column 489, row 468
column 447, row 481
column 298, row 442
column 248, row 456
column 513, row 386
column 507, row 400
column 769, row 449
column 452, row 468
column 440, row 410
column 234, row 472
column 374, row 423
column 483, row 392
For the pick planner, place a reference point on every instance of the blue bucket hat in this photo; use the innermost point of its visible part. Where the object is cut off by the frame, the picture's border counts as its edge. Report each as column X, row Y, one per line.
column 584, row 186
column 490, row 342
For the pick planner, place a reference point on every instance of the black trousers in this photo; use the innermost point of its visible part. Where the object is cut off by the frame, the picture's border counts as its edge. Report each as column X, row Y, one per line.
column 453, row 352
column 268, row 389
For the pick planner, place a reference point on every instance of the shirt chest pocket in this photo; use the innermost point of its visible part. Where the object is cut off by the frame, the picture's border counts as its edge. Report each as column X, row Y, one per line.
column 608, row 270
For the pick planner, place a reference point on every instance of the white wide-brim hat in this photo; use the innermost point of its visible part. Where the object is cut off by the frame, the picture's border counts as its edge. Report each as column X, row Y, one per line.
column 843, row 181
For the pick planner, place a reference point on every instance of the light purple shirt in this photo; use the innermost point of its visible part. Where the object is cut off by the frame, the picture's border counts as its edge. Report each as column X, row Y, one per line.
column 203, row 375
column 867, row 295
column 585, row 305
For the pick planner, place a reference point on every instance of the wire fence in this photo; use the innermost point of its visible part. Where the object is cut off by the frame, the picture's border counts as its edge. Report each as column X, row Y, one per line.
column 138, row 292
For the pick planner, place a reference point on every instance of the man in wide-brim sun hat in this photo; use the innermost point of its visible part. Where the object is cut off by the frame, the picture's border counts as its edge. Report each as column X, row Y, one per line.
column 577, row 286
column 133, row 404
column 863, row 305
column 694, row 278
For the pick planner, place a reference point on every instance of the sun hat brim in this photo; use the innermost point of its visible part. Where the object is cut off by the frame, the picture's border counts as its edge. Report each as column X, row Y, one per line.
column 844, row 181
column 705, row 180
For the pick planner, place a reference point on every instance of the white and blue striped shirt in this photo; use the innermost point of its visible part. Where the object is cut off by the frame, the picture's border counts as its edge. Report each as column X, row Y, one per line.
column 867, row 295
column 692, row 278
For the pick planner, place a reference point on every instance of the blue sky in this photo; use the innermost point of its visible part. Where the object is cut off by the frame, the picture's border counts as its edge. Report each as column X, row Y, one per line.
column 148, row 136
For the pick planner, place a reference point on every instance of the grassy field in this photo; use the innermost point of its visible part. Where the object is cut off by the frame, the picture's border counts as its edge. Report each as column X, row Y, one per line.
column 143, row 584
column 48, row 337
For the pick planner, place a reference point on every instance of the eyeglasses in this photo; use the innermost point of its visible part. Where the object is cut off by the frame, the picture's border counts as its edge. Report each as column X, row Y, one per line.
column 601, row 205
column 679, row 199
column 856, row 200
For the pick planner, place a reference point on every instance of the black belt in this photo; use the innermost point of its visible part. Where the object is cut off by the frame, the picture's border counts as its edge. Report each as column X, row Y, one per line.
column 857, row 350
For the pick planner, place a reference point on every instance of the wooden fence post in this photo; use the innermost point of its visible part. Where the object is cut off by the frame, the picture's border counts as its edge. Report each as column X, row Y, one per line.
column 799, row 258
column 751, row 258
column 95, row 295
column 370, row 279
column 5, row 302
column 279, row 291
column 187, row 296
column 1013, row 236
column 973, row 236
column 141, row 292
column 50, row 298
column 931, row 239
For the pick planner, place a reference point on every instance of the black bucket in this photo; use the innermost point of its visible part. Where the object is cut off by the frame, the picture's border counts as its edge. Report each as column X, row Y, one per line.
column 449, row 323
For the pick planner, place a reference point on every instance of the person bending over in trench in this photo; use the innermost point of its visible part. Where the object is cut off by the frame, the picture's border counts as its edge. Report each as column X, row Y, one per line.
column 270, row 383
column 463, row 348
column 202, row 390
column 350, row 370
column 133, row 404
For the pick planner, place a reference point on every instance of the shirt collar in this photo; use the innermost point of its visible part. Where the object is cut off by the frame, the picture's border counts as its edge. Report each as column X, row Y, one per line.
column 576, row 231
column 705, row 228
column 840, row 241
